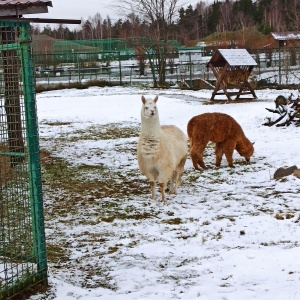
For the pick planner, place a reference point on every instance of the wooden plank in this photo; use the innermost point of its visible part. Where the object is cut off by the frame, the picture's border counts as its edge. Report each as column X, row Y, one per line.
column 234, row 93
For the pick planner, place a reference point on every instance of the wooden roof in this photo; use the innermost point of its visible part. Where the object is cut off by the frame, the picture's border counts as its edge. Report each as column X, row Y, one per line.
column 234, row 57
column 16, row 8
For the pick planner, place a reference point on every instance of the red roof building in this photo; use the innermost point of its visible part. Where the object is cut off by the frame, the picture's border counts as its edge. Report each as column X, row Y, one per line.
column 286, row 39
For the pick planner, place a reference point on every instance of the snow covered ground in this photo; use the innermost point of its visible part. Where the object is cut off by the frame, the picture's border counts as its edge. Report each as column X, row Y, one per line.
column 228, row 234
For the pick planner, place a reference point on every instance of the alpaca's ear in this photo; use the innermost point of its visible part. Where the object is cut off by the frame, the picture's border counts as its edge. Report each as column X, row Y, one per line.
column 155, row 99
column 253, row 143
column 143, row 99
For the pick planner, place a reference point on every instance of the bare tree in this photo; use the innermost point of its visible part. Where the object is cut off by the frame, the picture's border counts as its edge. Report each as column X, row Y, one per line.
column 275, row 17
column 292, row 9
column 159, row 15
column 243, row 22
column 226, row 17
column 97, row 26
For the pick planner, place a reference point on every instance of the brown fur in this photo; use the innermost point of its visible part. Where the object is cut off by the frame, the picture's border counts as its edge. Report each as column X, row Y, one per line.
column 221, row 129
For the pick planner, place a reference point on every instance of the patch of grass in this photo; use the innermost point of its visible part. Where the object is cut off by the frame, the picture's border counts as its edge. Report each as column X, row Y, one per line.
column 279, row 217
column 230, row 218
column 57, row 123
column 192, row 177
column 57, row 173
column 56, row 254
column 95, row 132
column 174, row 221
column 73, row 85
column 205, row 223
column 105, row 132
column 109, row 219
column 112, row 250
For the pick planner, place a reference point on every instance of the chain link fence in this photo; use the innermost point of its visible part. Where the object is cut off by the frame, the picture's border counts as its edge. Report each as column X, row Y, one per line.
column 22, row 239
column 274, row 67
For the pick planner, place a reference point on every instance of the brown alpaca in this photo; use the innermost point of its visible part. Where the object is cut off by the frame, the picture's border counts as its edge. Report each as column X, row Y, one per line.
column 221, row 129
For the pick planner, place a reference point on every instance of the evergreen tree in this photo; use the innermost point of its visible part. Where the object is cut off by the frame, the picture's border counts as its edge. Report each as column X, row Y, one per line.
column 192, row 23
column 213, row 17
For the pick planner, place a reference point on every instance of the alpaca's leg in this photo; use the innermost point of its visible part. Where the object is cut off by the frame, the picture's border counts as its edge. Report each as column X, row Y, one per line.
column 153, row 186
column 219, row 153
column 180, row 169
column 162, row 191
column 194, row 158
column 228, row 149
column 173, row 182
column 197, row 156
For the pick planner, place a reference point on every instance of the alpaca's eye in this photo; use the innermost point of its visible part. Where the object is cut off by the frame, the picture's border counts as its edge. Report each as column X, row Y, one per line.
column 146, row 107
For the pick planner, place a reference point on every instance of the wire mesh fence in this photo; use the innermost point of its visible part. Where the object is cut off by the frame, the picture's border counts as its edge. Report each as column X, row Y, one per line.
column 22, row 239
column 274, row 67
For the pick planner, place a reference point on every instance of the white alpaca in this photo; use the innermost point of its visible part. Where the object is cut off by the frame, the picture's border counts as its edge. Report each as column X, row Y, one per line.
column 162, row 150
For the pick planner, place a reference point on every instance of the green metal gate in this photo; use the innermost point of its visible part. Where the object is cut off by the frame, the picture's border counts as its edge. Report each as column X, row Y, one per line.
column 23, row 262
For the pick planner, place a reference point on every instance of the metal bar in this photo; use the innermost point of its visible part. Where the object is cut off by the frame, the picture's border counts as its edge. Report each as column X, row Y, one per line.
column 7, row 47
column 43, row 20
column 20, row 154
column 34, row 157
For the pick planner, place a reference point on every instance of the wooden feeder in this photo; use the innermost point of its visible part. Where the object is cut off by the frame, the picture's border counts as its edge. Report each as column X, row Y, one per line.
column 232, row 68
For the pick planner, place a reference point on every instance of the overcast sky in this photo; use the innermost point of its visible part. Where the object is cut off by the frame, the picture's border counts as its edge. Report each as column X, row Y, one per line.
column 73, row 9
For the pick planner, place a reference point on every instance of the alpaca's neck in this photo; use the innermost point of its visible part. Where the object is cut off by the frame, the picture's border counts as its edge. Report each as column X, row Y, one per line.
column 150, row 126
column 241, row 138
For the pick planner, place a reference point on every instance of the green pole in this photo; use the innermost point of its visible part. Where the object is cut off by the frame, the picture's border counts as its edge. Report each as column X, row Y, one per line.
column 120, row 67
column 34, row 167
column 191, row 73
column 79, row 80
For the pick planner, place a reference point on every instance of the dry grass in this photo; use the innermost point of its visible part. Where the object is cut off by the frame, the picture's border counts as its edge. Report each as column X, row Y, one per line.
column 72, row 85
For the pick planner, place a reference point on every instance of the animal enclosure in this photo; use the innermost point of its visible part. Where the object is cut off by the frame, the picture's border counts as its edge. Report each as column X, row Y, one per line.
column 22, row 240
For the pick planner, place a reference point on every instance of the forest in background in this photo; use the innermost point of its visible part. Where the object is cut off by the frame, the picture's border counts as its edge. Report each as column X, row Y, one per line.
column 191, row 23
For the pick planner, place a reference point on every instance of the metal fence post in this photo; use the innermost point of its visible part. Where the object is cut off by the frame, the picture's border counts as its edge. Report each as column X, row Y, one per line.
column 34, row 167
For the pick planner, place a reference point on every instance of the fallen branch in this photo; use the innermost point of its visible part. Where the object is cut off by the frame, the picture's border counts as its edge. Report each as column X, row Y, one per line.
column 288, row 110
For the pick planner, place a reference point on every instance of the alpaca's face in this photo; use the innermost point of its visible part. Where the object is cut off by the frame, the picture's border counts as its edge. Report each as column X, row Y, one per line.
column 149, row 108
column 247, row 151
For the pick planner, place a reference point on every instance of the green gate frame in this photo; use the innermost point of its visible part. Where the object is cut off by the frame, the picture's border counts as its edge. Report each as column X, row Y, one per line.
column 23, row 259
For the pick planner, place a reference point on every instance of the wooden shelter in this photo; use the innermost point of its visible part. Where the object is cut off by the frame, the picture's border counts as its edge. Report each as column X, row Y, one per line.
column 17, row 8
column 286, row 39
column 232, row 68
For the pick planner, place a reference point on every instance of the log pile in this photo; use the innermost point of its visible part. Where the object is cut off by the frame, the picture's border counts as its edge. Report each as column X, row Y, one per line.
column 288, row 111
